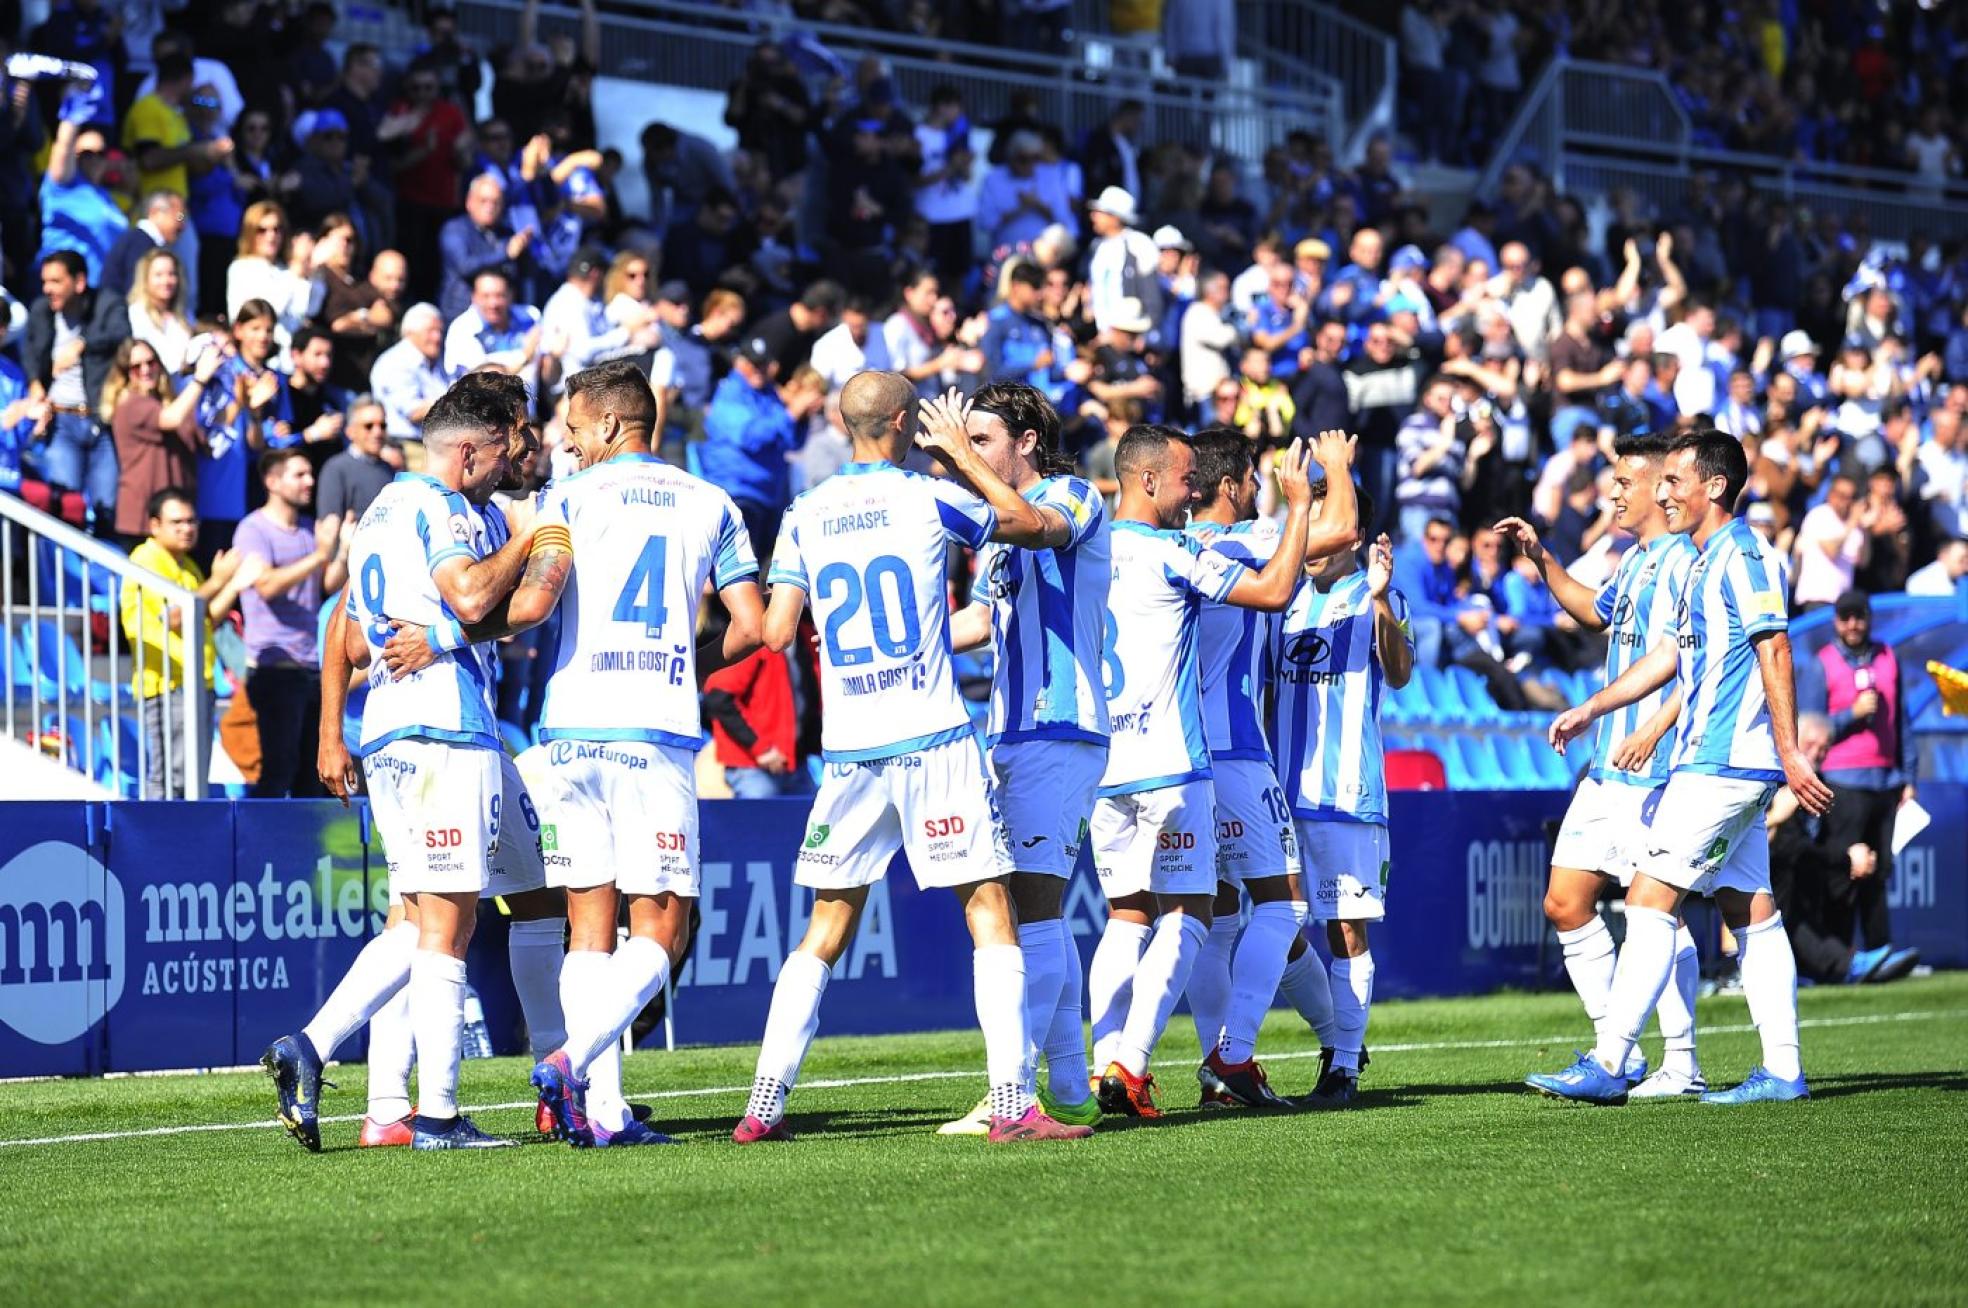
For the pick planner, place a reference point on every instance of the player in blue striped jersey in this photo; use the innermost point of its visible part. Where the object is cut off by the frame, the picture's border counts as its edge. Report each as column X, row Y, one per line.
column 1737, row 743
column 1236, row 976
column 1608, row 816
column 1344, row 636
column 903, row 767
column 1046, row 611
column 1154, row 825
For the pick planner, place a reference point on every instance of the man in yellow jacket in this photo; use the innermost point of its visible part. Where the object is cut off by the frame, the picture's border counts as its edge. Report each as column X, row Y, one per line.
column 153, row 626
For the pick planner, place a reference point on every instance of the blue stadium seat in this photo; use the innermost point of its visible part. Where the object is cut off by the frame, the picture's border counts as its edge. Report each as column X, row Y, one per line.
column 1444, row 703
column 1453, row 763
column 119, row 773
column 102, row 583
column 1409, row 704
column 1554, row 770
column 1474, row 695
column 59, row 651
column 1514, row 757
column 1479, row 760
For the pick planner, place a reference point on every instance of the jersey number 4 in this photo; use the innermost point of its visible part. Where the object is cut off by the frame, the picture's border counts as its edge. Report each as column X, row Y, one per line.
column 641, row 600
column 857, row 587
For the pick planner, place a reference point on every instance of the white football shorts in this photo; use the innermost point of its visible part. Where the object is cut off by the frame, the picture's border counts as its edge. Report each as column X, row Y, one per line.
column 1253, row 823
column 1708, row 835
column 1345, row 869
column 1046, row 790
column 620, row 812
column 1605, row 828
column 1161, row 841
column 455, row 819
column 936, row 805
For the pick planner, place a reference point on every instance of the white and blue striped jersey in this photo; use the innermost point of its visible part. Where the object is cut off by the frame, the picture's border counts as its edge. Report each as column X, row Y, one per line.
column 646, row 537
column 1233, row 645
column 867, row 546
column 414, row 526
column 1325, row 714
column 1736, row 591
column 1162, row 579
column 1048, row 619
column 1640, row 606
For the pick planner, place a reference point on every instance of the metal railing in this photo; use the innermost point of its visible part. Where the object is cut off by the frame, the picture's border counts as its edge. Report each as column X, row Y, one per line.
column 58, row 589
column 679, row 43
column 1595, row 127
column 1297, row 37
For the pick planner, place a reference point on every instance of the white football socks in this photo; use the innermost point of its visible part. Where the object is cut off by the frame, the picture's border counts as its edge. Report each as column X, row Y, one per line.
column 392, row 1053
column 1306, row 988
column 437, row 1013
column 1067, row 1074
column 1110, row 984
column 1676, row 1010
column 1589, row 961
column 1045, row 980
column 534, row 950
column 1645, row 962
column 1254, row 974
column 998, row 987
column 380, row 970
column 1352, row 1000
column 1209, row 981
column 611, row 992
column 1158, row 984
column 1769, row 977
column 789, row 1027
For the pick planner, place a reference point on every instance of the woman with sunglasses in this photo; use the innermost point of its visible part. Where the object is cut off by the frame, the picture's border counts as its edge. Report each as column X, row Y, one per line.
column 270, row 267
column 155, row 428
column 157, row 309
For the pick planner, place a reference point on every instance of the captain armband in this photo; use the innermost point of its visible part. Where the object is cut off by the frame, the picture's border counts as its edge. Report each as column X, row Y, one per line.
column 552, row 536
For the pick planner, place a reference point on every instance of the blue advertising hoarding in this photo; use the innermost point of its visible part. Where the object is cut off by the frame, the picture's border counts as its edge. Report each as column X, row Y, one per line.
column 145, row 936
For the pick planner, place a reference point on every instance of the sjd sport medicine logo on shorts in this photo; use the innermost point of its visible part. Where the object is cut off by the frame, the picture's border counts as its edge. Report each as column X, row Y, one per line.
column 61, row 942
column 818, row 836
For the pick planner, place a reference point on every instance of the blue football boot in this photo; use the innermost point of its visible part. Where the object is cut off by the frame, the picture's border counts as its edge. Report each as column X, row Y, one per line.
column 296, row 1071
column 1583, row 1082
column 635, row 1133
column 1759, row 1087
column 452, row 1133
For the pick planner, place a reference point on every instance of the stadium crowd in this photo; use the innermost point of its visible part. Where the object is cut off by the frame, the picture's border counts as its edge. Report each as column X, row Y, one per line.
column 259, row 249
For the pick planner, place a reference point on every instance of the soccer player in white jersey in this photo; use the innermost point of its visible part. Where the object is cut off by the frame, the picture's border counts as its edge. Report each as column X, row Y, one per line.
column 1344, row 637
column 535, row 941
column 1236, row 976
column 1737, row 743
column 1608, row 816
column 903, row 766
column 625, row 547
column 1154, row 825
column 438, row 776
column 1046, row 609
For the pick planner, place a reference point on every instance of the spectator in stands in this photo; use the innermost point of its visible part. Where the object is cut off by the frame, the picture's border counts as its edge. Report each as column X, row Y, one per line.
column 1122, row 261
column 495, row 330
column 685, row 363
column 1424, row 575
column 295, row 561
column 410, row 375
column 356, row 314
column 156, row 307
column 790, row 333
column 158, row 137
column 770, row 109
column 77, row 212
column 1432, row 454
column 749, row 435
column 358, row 98
column 153, row 421
column 1942, row 577
column 1583, row 367
column 428, row 139
column 273, row 266
column 357, row 473
column 682, row 171
column 72, row 336
column 1278, row 319
column 1017, row 344
column 697, row 249
column 1943, row 472
column 1889, row 533
column 479, row 239
column 154, row 628
column 319, row 408
column 1207, row 339
column 1859, row 685
column 1111, row 156
column 1382, row 383
column 576, row 316
column 945, row 197
column 755, row 725
column 1831, row 544
column 162, row 226
column 1264, row 404
column 1020, row 198
column 21, row 139
column 1320, row 393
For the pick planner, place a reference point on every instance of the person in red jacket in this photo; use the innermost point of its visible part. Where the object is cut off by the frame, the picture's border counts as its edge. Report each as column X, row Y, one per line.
column 755, row 725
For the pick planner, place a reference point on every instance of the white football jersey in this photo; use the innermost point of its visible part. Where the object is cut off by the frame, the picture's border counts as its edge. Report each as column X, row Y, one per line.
column 1736, row 591
column 413, row 526
column 1162, row 579
column 646, row 537
column 1048, row 620
column 867, row 546
column 1233, row 643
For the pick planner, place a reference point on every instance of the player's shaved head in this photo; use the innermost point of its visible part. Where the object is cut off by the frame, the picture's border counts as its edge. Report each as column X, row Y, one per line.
column 871, row 402
column 617, row 387
column 1145, row 448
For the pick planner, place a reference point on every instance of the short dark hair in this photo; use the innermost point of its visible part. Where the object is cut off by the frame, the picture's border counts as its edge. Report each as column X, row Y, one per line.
column 493, row 271
column 499, row 388
column 154, row 506
column 1854, row 603
column 1220, row 452
column 658, row 136
column 1718, row 454
column 1027, row 273
column 273, row 460
column 307, row 336
column 173, row 66
column 620, row 386
column 1647, row 445
column 74, row 263
column 255, row 311
column 1023, row 408
column 1365, row 504
column 357, row 50
column 825, row 295
column 470, row 406
column 1144, row 446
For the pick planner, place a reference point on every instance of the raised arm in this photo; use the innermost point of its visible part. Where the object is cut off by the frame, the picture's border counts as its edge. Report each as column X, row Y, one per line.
column 1271, row 590
column 1573, row 595
column 1393, row 643
column 1338, row 523
column 945, row 434
column 1773, row 662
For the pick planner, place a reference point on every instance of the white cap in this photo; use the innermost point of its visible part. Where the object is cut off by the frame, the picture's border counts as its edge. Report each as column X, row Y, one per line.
column 1168, row 237
column 1116, row 201
column 1795, row 344
column 1129, row 316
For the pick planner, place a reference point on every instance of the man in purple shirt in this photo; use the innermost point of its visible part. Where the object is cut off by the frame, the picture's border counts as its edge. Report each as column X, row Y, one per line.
column 300, row 562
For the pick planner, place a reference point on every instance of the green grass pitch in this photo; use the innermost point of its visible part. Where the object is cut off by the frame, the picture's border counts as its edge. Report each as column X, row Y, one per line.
column 1451, row 1184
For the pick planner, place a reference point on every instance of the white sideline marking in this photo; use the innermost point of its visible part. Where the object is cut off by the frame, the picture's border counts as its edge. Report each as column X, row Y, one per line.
column 1422, row 1046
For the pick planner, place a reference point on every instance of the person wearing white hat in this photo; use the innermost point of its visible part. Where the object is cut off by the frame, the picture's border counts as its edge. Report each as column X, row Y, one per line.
column 1178, row 263
column 1797, row 353
column 1124, row 260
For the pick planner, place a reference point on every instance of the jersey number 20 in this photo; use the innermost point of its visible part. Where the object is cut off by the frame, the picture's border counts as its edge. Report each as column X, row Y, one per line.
column 867, row 585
